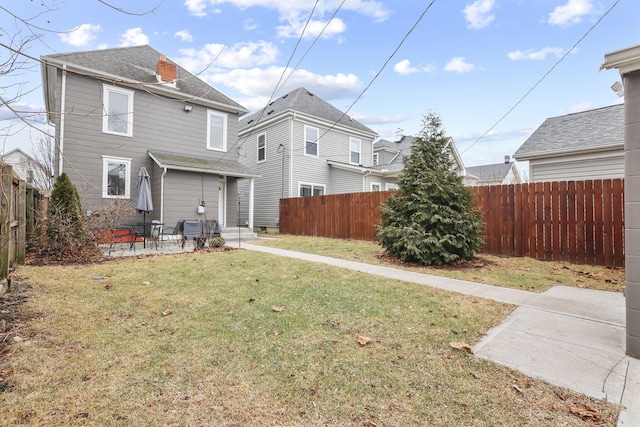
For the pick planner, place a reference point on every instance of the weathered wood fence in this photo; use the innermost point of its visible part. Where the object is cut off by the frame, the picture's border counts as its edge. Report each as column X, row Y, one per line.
column 20, row 205
column 576, row 221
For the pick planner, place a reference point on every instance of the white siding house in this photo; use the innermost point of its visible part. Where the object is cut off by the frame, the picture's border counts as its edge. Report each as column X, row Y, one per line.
column 579, row 146
column 302, row 146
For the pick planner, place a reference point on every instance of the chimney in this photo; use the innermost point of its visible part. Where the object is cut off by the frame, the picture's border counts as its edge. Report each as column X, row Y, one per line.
column 166, row 71
column 507, row 159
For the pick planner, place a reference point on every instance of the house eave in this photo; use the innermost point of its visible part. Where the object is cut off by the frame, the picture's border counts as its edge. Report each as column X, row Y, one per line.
column 562, row 153
column 155, row 88
column 626, row 60
column 211, row 171
column 289, row 113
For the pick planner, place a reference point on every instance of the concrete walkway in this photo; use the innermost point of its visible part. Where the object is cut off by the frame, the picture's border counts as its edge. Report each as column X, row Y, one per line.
column 570, row 337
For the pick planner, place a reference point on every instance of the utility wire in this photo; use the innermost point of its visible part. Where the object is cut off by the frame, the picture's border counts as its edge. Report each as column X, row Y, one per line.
column 544, row 76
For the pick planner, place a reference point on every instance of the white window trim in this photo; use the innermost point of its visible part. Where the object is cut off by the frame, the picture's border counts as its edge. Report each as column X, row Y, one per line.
column 264, row 134
column 375, row 183
column 359, row 141
column 375, row 158
column 389, row 186
column 317, row 142
column 105, row 177
column 105, row 116
column 211, row 113
column 301, row 183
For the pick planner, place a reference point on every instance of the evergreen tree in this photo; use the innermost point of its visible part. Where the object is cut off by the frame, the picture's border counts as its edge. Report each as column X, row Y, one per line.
column 66, row 226
column 431, row 219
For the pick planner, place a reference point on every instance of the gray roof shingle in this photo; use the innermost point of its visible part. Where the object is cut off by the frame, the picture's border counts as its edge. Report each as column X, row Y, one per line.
column 494, row 172
column 602, row 128
column 403, row 146
column 200, row 164
column 303, row 101
column 138, row 64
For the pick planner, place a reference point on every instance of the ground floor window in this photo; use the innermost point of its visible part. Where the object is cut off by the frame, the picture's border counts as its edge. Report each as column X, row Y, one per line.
column 116, row 177
column 391, row 187
column 376, row 186
column 307, row 190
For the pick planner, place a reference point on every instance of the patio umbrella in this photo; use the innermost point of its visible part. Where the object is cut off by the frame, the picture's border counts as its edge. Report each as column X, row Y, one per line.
column 144, row 203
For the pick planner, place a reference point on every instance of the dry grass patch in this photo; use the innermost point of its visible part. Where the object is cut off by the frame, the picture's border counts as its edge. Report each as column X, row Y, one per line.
column 509, row 272
column 243, row 338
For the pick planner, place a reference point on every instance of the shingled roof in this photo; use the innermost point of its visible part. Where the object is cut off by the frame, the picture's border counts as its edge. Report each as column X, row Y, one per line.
column 302, row 101
column 594, row 130
column 137, row 65
column 493, row 172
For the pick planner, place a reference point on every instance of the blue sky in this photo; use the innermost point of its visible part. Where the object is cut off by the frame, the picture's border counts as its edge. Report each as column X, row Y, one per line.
column 469, row 61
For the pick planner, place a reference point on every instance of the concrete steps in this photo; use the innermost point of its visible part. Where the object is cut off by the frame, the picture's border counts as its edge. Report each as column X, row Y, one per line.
column 233, row 234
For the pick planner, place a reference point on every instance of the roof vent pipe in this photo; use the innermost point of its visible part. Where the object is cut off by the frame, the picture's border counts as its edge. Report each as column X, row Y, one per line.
column 507, row 159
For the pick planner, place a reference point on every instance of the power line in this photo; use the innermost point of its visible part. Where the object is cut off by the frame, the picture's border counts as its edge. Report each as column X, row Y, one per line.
column 544, row 76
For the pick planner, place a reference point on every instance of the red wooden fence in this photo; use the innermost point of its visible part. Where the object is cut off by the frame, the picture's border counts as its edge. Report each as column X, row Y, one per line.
column 576, row 221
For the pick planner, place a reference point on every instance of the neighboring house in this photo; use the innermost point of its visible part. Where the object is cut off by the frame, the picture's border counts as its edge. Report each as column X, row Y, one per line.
column 28, row 169
column 117, row 110
column 579, row 146
column 303, row 146
column 388, row 160
column 496, row 174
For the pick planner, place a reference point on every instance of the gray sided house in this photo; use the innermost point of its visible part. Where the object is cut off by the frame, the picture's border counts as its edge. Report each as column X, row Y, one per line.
column 579, row 146
column 496, row 174
column 301, row 145
column 117, row 110
column 388, row 160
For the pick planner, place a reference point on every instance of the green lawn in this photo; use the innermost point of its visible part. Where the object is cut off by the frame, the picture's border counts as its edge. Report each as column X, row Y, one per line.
column 194, row 339
column 519, row 273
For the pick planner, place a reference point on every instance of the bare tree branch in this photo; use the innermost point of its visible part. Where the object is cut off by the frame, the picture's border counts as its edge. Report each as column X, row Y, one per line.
column 119, row 9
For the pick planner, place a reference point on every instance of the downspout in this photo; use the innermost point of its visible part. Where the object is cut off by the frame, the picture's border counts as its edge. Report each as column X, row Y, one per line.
column 63, row 97
column 291, row 193
column 164, row 172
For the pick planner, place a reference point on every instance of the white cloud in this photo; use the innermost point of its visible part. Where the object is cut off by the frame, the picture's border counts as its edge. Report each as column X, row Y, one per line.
column 133, row 37
column 294, row 28
column 81, row 35
column 404, row 67
column 373, row 119
column 196, row 7
column 250, row 24
column 257, row 84
column 288, row 8
column 536, row 55
column 459, row 65
column 570, row 13
column 478, row 14
column 220, row 57
column 184, row 35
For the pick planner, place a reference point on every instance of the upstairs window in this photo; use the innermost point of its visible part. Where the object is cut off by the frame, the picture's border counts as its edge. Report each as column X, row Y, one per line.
column 216, row 131
column 116, row 177
column 117, row 117
column 375, row 159
column 262, row 147
column 354, row 154
column 311, row 136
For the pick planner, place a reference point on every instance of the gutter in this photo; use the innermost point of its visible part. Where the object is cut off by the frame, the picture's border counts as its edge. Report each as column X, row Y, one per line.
column 557, row 153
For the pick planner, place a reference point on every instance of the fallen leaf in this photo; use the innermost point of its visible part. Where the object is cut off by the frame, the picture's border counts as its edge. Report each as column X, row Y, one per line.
column 462, row 346
column 295, row 276
column 586, row 413
column 362, row 340
column 146, row 283
column 107, row 286
column 277, row 308
column 276, row 333
column 167, row 312
column 252, row 299
column 516, row 388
